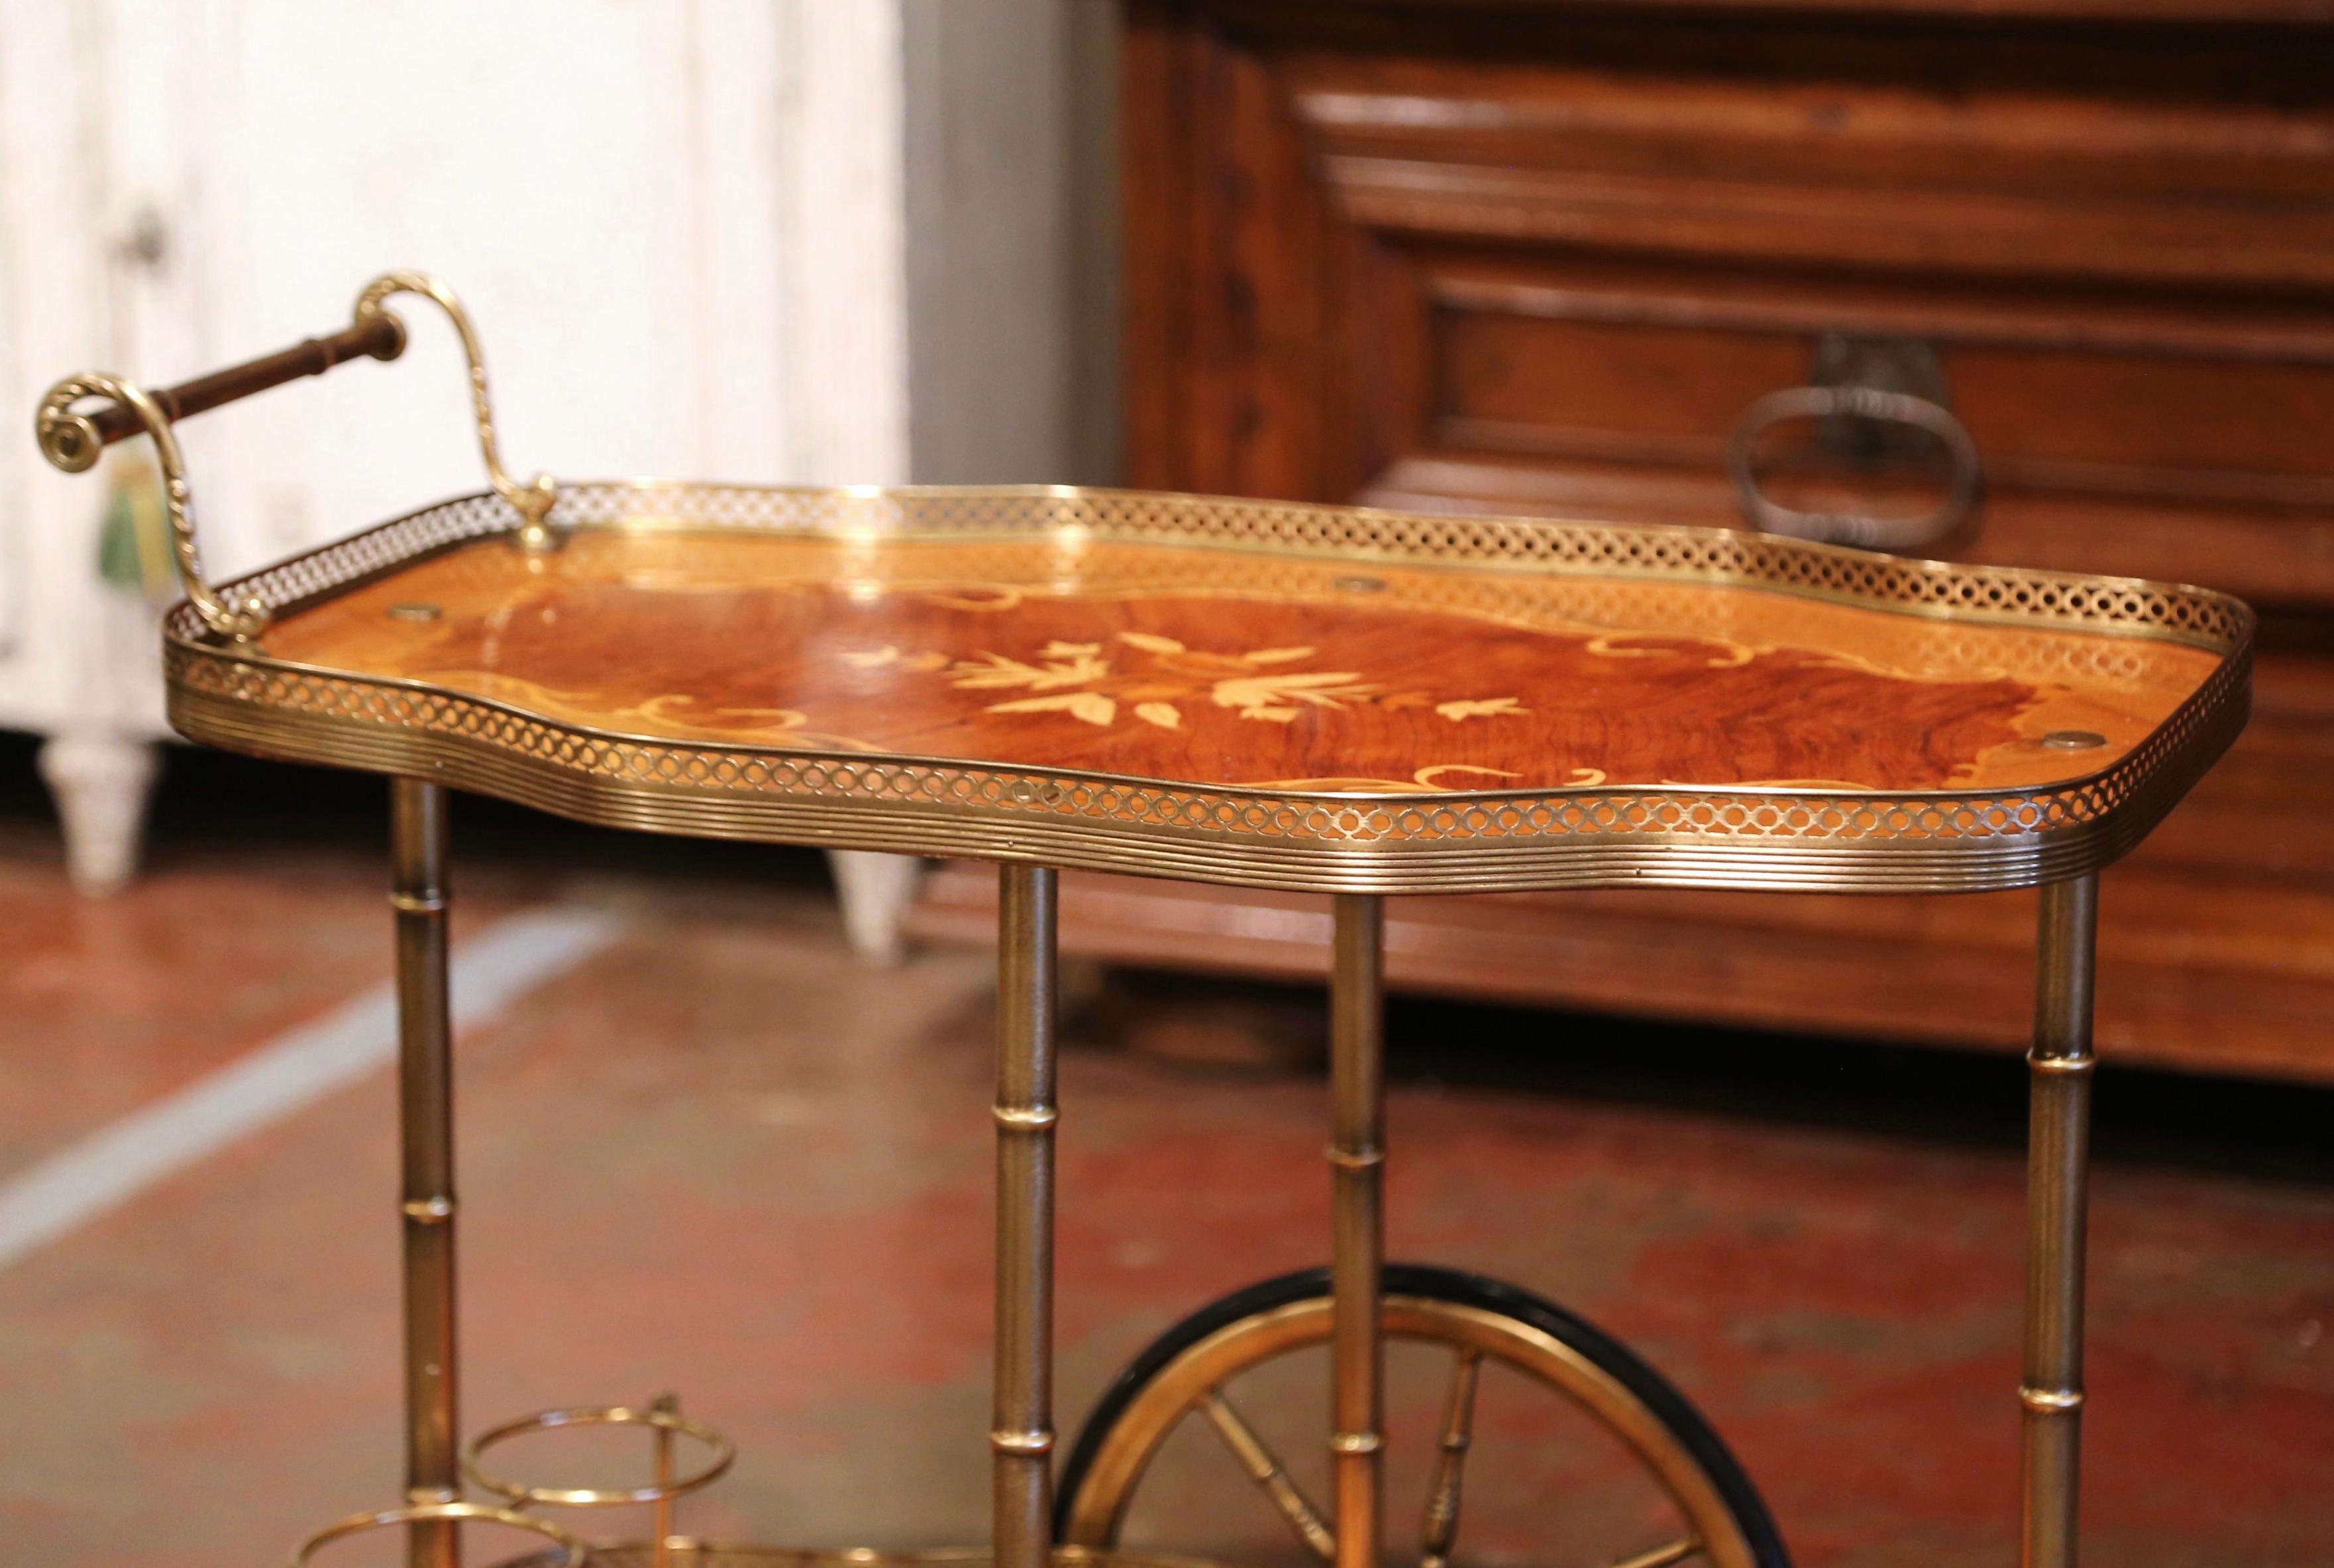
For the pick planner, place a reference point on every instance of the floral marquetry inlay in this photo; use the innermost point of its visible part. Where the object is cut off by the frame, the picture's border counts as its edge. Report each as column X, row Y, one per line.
column 1150, row 679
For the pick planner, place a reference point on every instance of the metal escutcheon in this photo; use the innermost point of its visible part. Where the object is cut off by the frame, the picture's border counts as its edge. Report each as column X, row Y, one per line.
column 1769, row 515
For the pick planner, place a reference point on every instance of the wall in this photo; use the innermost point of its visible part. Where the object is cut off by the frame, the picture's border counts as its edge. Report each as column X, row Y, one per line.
column 808, row 240
column 1012, row 268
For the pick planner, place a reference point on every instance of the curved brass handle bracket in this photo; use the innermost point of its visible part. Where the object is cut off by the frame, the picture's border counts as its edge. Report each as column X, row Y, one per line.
column 68, row 442
column 532, row 501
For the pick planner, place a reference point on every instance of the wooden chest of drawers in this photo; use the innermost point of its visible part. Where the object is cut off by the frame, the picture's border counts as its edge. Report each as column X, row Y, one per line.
column 1532, row 257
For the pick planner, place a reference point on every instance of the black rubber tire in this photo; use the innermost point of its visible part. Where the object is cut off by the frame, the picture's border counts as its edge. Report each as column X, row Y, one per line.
column 1675, row 1411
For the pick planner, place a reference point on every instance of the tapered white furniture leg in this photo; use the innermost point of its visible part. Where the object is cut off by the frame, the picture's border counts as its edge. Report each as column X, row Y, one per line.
column 875, row 890
column 101, row 783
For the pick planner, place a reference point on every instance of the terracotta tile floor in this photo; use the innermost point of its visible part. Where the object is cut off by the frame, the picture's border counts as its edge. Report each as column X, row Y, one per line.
column 722, row 1158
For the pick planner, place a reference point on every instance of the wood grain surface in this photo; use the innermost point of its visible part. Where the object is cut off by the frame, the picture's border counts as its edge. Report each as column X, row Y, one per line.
column 1530, row 257
column 1223, row 667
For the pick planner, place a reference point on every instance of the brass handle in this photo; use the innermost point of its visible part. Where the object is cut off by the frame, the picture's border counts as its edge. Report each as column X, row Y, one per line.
column 1873, row 532
column 71, row 439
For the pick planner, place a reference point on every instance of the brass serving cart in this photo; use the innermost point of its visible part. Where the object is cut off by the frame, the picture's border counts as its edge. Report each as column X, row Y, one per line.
column 1339, row 701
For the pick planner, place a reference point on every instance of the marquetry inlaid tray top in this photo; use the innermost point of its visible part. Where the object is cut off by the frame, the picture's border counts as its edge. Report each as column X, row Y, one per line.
column 1243, row 692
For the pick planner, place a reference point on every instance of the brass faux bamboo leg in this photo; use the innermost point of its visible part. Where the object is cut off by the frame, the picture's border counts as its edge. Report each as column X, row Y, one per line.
column 2058, row 1162
column 1357, row 1254
column 426, row 1132
column 1021, row 1432
column 660, row 1511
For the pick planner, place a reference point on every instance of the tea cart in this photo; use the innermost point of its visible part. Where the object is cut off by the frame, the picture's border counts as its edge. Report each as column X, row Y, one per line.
column 1314, row 698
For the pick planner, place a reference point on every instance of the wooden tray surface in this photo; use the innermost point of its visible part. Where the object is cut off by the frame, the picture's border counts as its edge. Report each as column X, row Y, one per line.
column 1241, row 692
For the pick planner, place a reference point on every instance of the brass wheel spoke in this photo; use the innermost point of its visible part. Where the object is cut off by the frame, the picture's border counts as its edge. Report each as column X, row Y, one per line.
column 1706, row 1531
column 1267, row 1471
column 1662, row 1556
column 1439, row 1527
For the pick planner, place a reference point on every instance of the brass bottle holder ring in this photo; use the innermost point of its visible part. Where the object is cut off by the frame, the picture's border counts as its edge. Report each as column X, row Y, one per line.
column 660, row 1418
column 571, row 1551
column 71, row 437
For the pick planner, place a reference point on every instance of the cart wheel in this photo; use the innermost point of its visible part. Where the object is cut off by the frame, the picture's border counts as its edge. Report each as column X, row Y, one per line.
column 1703, row 1506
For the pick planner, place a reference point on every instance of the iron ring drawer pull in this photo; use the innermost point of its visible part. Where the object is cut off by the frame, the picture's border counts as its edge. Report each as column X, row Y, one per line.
column 1862, row 529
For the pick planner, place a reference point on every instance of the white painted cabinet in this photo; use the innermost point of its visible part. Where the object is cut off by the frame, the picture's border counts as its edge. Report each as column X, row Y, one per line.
column 682, row 226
